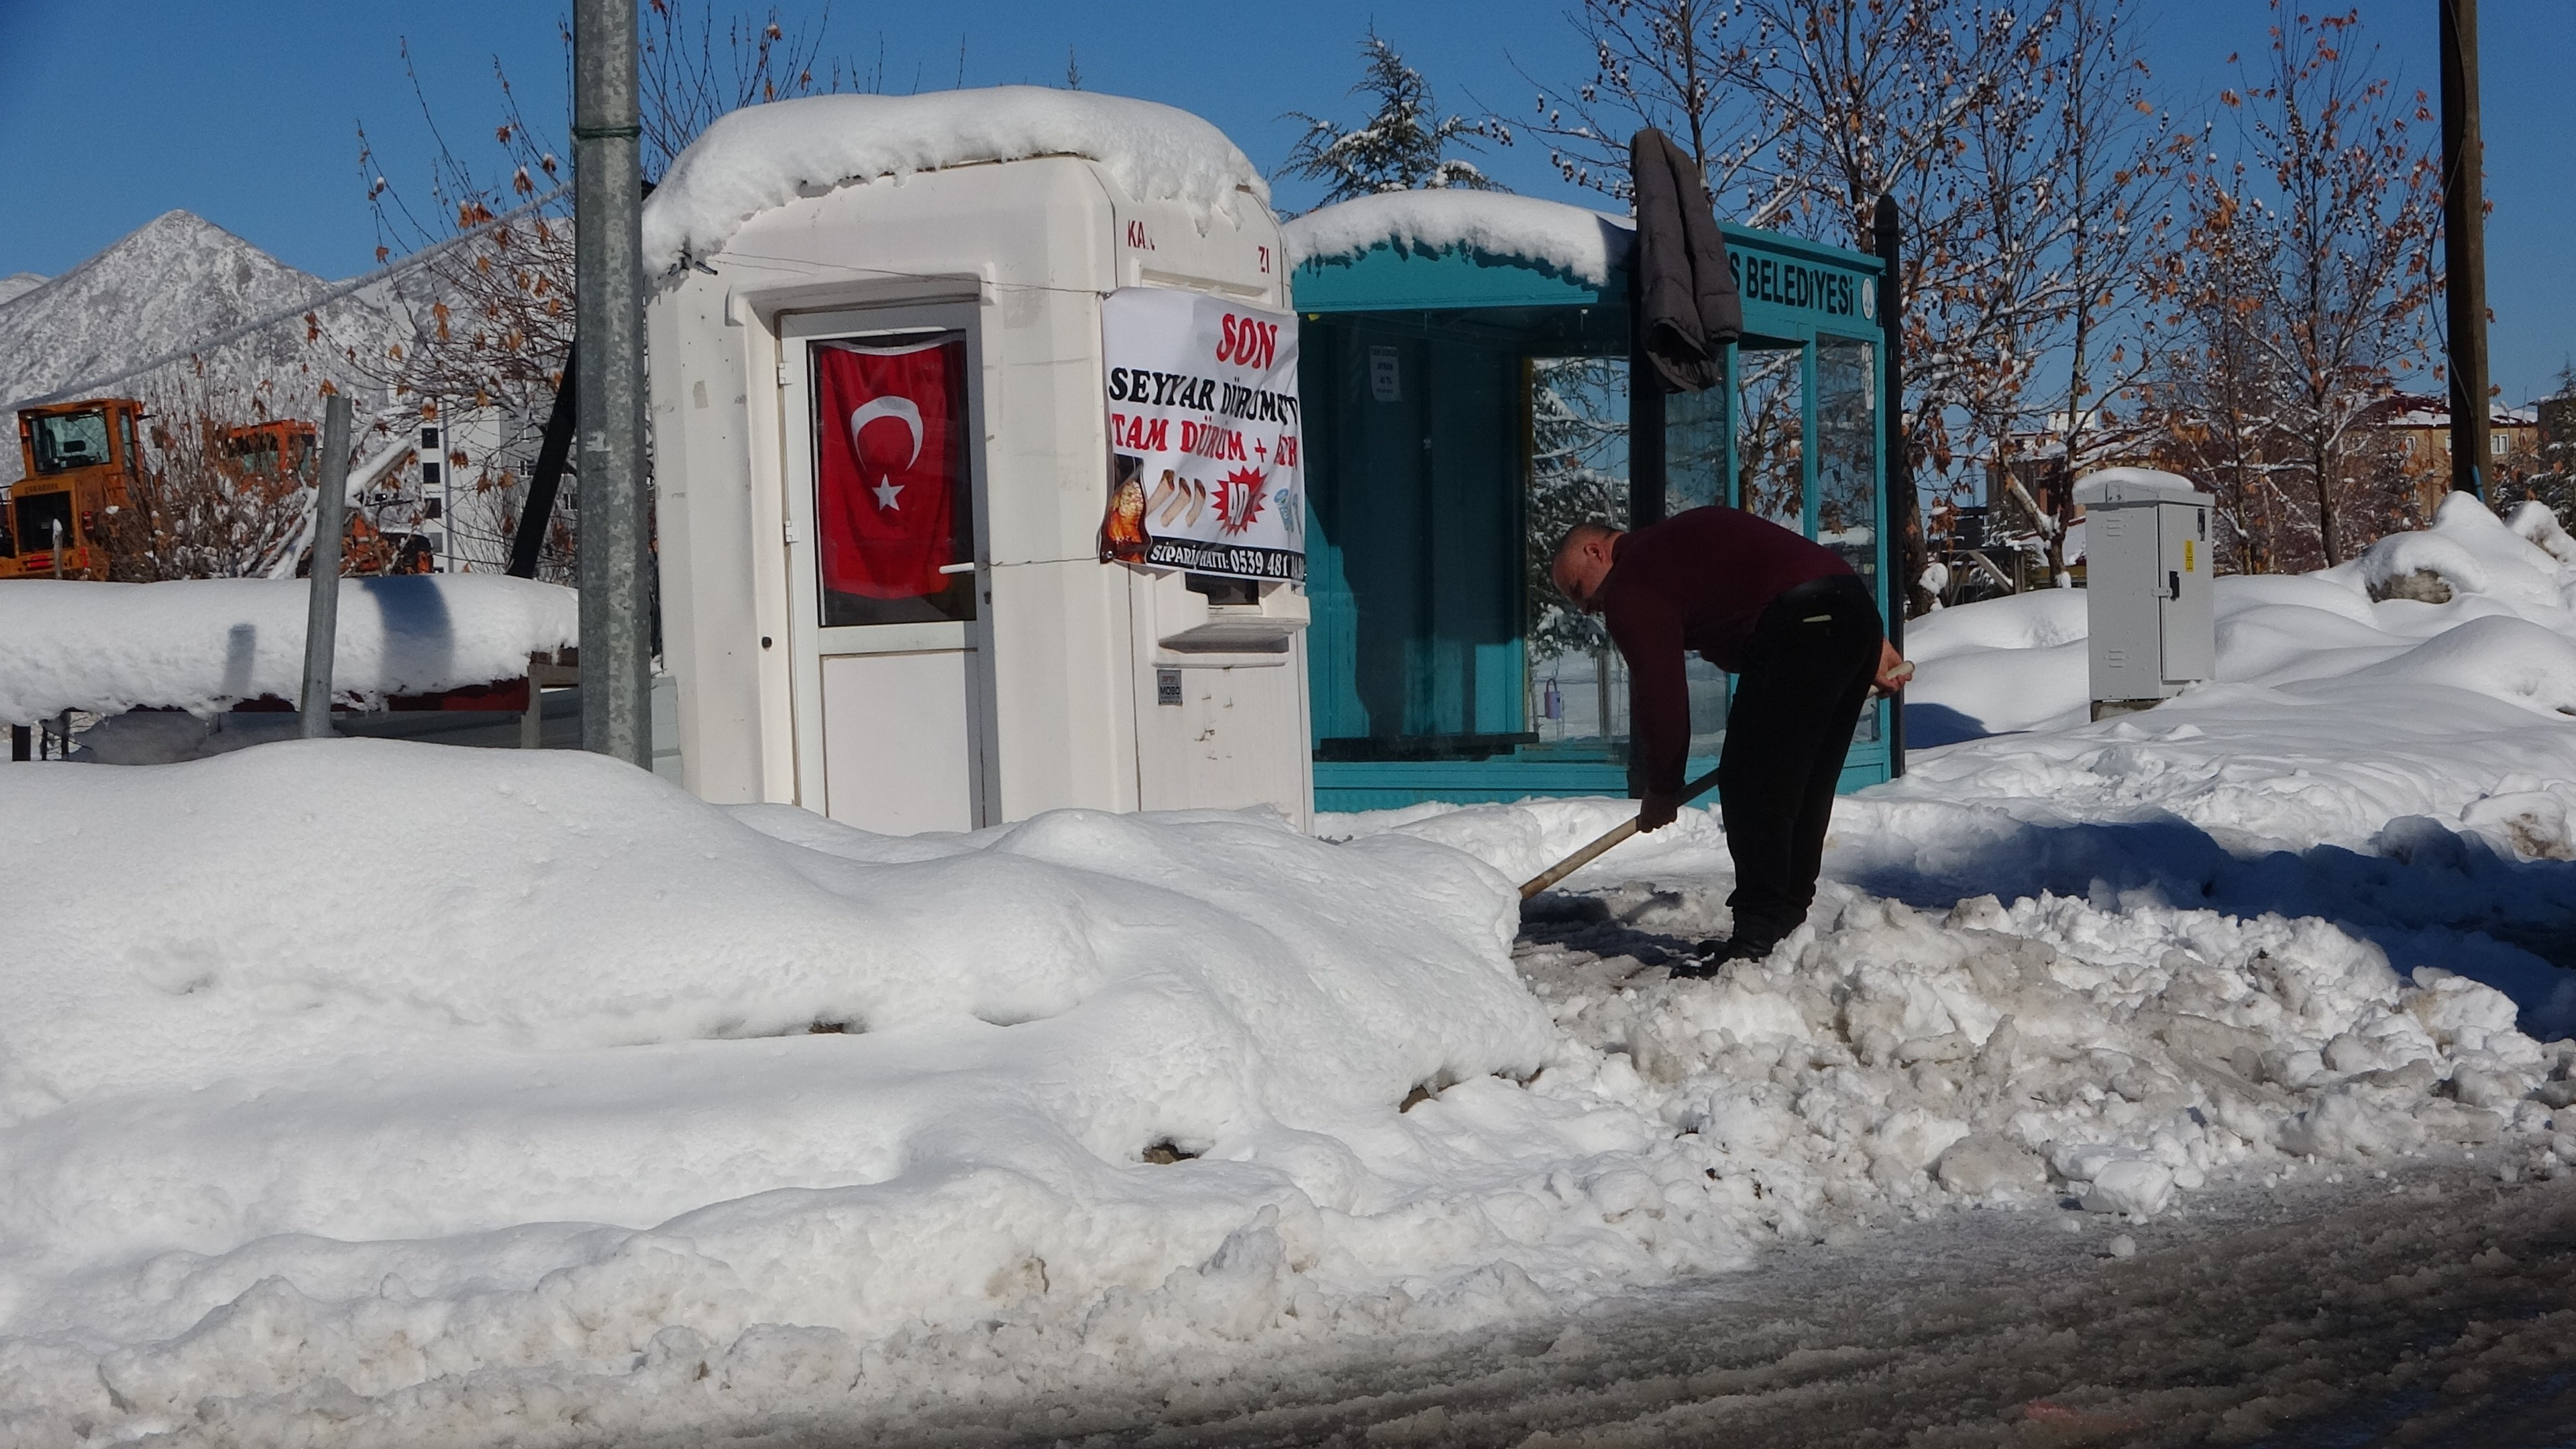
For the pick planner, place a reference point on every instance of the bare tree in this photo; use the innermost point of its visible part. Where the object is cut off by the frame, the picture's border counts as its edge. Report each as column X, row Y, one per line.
column 2307, row 267
column 2355, row 222
column 2114, row 163
column 1803, row 113
column 1654, row 63
column 486, row 319
column 213, row 499
column 686, row 81
column 2211, row 394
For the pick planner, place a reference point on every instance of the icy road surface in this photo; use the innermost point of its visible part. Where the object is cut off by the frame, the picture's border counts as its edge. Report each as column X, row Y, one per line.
column 2435, row 1306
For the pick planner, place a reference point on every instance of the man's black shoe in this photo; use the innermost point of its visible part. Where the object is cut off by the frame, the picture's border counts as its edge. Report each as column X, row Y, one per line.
column 1713, row 953
column 1692, row 968
column 1717, row 953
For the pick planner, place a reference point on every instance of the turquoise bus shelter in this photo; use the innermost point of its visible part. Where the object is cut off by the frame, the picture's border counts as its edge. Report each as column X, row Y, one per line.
column 1462, row 410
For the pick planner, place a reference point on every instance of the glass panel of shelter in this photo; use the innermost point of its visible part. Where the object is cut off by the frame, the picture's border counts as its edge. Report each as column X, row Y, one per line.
column 1424, row 576
column 1578, row 472
column 1437, row 648
column 1846, row 471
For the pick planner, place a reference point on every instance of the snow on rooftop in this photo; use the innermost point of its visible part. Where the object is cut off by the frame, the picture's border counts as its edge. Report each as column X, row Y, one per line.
column 1581, row 243
column 765, row 156
column 205, row 645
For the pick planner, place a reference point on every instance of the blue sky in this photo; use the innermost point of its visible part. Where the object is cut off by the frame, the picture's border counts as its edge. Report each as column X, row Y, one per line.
column 247, row 114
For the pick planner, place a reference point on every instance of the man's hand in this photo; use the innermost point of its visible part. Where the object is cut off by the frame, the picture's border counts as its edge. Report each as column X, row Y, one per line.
column 1656, row 811
column 1893, row 669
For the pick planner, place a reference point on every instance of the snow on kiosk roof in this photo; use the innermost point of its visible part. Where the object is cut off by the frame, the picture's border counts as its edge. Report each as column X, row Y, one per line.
column 979, row 461
column 1466, row 370
column 762, row 157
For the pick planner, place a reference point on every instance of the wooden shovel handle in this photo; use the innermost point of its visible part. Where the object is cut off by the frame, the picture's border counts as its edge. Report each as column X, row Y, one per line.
column 1581, row 858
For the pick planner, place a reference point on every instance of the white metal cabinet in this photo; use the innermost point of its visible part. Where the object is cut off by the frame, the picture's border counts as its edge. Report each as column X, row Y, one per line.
column 2148, row 576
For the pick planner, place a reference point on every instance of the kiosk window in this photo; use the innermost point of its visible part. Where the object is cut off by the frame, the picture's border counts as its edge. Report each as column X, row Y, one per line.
column 893, row 491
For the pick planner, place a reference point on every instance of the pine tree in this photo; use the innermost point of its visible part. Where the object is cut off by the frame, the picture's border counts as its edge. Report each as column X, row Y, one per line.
column 1403, row 146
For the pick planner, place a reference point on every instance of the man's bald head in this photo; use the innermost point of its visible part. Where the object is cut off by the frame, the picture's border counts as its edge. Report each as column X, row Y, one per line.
column 1581, row 561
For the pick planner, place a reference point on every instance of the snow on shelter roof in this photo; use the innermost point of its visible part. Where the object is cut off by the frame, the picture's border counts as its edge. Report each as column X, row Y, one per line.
column 1579, row 242
column 766, row 156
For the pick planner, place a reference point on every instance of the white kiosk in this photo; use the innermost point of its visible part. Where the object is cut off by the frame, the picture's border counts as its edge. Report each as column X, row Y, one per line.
column 976, row 446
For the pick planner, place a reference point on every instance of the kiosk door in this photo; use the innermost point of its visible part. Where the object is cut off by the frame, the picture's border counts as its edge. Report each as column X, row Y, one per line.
column 891, row 703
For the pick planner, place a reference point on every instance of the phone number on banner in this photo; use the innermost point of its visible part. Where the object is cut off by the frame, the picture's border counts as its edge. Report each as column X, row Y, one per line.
column 1230, row 559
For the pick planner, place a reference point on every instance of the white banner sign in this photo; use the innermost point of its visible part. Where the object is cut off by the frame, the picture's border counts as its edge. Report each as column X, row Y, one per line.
column 1204, row 436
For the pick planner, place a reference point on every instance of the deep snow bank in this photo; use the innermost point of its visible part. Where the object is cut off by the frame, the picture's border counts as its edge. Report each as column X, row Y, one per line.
column 204, row 645
column 383, row 1083
column 2018, row 663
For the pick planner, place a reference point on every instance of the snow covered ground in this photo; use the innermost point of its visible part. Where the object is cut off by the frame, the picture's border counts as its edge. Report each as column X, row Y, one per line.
column 416, row 1091
column 365, row 1093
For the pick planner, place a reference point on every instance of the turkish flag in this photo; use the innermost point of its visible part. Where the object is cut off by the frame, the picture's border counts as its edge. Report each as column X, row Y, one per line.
column 889, row 456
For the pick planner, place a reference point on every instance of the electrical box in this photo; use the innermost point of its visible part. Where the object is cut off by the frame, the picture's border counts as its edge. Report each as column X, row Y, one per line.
column 2147, row 575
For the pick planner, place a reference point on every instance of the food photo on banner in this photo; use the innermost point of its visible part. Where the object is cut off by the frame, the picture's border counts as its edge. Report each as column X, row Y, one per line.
column 890, row 486
column 1204, row 437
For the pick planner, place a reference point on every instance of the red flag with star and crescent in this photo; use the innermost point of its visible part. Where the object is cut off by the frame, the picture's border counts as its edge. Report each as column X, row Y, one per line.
column 889, row 429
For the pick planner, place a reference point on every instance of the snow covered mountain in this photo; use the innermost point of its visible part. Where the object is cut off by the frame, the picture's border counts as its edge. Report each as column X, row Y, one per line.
column 17, row 284
column 176, row 285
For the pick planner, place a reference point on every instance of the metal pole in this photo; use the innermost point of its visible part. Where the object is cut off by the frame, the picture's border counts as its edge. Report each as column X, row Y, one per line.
column 2464, row 244
column 608, row 335
column 1904, row 512
column 322, row 606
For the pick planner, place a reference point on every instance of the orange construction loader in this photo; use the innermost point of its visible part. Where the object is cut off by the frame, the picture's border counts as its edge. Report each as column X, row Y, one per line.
column 79, row 459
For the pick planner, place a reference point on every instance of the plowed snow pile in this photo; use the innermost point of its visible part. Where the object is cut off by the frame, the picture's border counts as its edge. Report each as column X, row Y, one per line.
column 408, row 1094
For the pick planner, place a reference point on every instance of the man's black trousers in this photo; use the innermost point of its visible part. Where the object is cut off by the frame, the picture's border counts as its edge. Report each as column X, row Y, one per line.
column 1807, row 672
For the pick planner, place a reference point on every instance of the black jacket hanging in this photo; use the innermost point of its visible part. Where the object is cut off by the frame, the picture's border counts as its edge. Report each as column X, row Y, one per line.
column 1687, row 308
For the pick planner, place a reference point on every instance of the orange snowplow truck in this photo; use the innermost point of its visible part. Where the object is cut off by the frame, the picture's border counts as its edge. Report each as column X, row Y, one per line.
column 79, row 458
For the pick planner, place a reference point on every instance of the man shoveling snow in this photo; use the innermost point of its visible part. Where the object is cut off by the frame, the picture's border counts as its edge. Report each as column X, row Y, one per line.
column 1800, row 632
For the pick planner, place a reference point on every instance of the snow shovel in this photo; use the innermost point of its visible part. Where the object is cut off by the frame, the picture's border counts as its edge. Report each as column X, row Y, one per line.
column 1609, row 838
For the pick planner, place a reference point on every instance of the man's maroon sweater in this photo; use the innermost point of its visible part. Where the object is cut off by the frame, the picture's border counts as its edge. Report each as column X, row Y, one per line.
column 1696, row 581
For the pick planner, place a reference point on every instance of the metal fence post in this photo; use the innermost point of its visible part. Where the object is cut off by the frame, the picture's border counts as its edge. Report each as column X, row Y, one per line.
column 322, row 608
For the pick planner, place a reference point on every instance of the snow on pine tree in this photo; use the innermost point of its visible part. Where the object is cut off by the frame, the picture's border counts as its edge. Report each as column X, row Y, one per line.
column 1402, row 146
